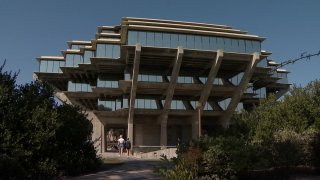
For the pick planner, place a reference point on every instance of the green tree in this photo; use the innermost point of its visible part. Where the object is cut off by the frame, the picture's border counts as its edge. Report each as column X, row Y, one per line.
column 38, row 138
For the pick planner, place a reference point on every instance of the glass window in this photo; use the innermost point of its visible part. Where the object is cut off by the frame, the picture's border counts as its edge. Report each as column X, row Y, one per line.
column 256, row 46
column 150, row 39
column 182, row 40
column 166, row 40
column 101, row 50
column 71, row 86
column 50, row 66
column 207, row 107
column 224, row 104
column 220, row 43
column 127, row 76
column 239, row 107
column 142, row 38
column 77, row 59
column 116, row 51
column 62, row 64
column 234, row 45
column 43, row 65
column 174, row 41
column 198, row 43
column 109, row 51
column 242, row 46
column 87, row 56
column 132, row 37
column 158, row 39
column 249, row 48
column 56, row 66
column 203, row 79
column 227, row 45
column 190, row 42
column 205, row 43
column 213, row 43
column 100, row 83
column 125, row 103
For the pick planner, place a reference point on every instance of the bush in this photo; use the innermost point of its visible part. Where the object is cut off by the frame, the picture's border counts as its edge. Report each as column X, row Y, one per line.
column 38, row 138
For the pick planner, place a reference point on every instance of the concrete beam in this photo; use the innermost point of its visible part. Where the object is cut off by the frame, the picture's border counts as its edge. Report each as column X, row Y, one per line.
column 206, row 91
column 240, row 90
column 133, row 92
column 169, row 95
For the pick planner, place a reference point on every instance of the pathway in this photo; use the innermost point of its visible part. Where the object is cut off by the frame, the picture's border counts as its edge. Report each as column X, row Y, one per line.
column 132, row 168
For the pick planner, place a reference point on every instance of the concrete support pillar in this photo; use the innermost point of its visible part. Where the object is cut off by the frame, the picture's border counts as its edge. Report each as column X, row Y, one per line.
column 103, row 139
column 163, row 118
column 133, row 91
column 206, row 93
column 240, row 90
column 196, row 129
column 163, row 135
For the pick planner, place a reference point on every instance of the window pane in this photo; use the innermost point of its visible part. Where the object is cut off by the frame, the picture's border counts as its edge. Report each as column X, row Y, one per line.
column 158, row 39
column 190, row 42
column 56, row 66
column 142, row 37
column 116, row 51
column 166, row 40
column 205, row 43
column 227, row 44
column 132, row 37
column 249, row 48
column 213, row 43
column 242, row 46
column 256, row 46
column 174, row 40
column 198, row 43
column 234, row 45
column 220, row 43
column 43, row 65
column 62, row 64
column 87, row 56
column 50, row 66
column 109, row 49
column 150, row 39
column 101, row 50
column 183, row 40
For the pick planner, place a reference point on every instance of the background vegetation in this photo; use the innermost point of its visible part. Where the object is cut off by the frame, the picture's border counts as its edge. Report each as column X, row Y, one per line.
column 38, row 138
column 277, row 134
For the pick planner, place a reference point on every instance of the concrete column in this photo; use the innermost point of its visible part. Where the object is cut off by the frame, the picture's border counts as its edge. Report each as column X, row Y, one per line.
column 133, row 91
column 240, row 90
column 206, row 93
column 103, row 139
column 196, row 128
column 163, row 135
column 169, row 94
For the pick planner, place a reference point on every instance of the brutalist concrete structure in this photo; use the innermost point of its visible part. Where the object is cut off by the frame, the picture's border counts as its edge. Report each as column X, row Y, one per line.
column 155, row 81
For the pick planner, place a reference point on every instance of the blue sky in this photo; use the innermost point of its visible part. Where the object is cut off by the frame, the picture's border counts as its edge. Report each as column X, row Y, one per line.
column 29, row 29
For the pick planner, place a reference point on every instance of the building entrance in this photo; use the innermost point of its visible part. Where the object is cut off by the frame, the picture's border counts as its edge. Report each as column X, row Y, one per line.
column 112, row 135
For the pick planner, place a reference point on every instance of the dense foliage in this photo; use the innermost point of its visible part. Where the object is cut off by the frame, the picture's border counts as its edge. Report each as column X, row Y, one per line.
column 276, row 134
column 38, row 138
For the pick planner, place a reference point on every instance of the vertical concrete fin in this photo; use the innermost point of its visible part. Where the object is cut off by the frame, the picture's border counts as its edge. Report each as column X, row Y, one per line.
column 169, row 95
column 206, row 93
column 240, row 90
column 133, row 91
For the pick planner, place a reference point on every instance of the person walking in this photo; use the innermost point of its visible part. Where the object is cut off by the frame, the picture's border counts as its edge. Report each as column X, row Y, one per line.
column 128, row 146
column 121, row 143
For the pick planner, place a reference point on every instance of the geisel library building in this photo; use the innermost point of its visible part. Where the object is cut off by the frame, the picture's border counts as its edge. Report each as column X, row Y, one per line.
column 155, row 81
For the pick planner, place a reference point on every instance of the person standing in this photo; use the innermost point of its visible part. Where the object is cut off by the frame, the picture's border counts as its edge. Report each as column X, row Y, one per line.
column 121, row 142
column 128, row 146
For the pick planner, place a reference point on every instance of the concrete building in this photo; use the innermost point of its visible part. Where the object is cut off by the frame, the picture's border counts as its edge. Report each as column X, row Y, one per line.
column 155, row 81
